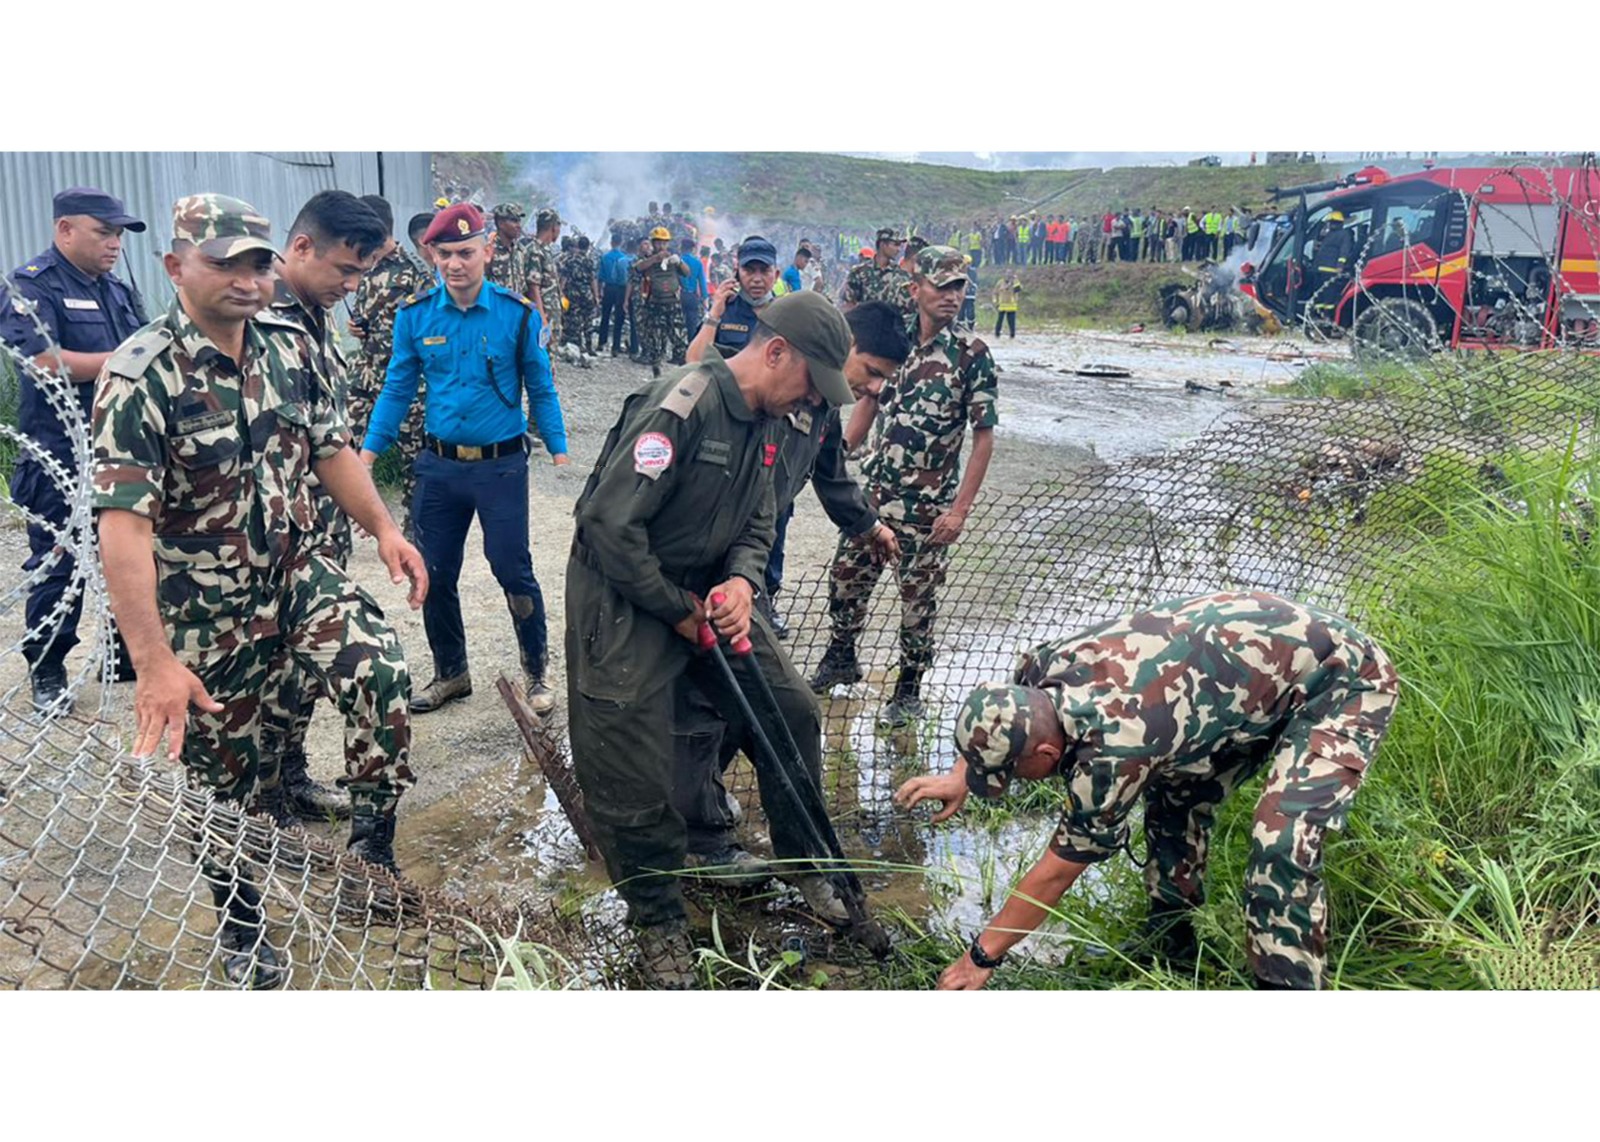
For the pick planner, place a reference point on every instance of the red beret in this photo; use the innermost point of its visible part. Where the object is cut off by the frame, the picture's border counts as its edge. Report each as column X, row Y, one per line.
column 455, row 224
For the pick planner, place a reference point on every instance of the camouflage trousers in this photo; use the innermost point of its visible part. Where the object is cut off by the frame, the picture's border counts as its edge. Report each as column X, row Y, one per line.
column 661, row 326
column 1315, row 764
column 330, row 631
column 578, row 321
column 920, row 573
column 365, row 385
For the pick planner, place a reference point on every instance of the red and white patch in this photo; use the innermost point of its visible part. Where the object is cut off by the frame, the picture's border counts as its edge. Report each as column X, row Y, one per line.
column 652, row 453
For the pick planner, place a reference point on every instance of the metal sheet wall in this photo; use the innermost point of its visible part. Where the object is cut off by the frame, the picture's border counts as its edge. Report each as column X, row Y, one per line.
column 275, row 182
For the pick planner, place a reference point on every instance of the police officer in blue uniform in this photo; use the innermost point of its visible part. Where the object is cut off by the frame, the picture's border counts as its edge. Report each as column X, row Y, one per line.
column 85, row 312
column 480, row 348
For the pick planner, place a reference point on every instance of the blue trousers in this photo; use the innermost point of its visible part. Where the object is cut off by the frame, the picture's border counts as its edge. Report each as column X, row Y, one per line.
column 774, row 572
column 449, row 494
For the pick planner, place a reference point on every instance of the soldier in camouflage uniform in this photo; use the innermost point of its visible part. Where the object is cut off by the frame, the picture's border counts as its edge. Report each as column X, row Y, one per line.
column 540, row 265
column 506, row 268
column 395, row 278
column 881, row 279
column 582, row 287
column 918, row 426
column 239, row 583
column 332, row 242
column 656, row 284
column 1178, row 706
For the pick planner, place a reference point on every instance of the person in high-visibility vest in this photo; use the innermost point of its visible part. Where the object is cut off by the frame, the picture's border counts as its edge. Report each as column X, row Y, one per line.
column 1005, row 302
column 1191, row 234
column 1212, row 223
column 975, row 245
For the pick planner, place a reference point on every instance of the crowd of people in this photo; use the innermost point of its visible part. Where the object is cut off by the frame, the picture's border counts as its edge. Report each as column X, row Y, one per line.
column 232, row 440
column 1120, row 234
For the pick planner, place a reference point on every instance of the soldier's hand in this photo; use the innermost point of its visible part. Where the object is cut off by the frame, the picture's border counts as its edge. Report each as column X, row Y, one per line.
column 949, row 788
column 161, row 700
column 947, row 528
column 689, row 627
column 369, row 457
column 732, row 616
column 404, row 562
column 884, row 543
column 560, row 459
column 964, row 975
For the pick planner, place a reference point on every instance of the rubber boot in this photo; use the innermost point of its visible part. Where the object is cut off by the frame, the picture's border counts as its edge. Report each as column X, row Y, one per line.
column 248, row 960
column 1170, row 935
column 274, row 804
column 309, row 799
column 905, row 704
column 838, row 666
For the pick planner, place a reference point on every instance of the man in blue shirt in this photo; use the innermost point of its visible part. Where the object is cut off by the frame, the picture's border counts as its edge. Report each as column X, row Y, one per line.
column 694, row 289
column 614, row 291
column 480, row 346
column 66, row 311
column 791, row 275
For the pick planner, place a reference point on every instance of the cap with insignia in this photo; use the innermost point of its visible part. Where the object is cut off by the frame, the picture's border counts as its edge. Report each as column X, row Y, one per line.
column 455, row 224
column 818, row 332
column 222, row 227
column 96, row 204
column 890, row 234
column 941, row 265
column 546, row 218
column 991, row 733
column 509, row 210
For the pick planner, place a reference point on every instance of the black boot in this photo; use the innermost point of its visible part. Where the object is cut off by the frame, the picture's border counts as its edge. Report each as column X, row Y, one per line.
column 309, row 799
column 905, row 704
column 372, row 834
column 838, row 666
column 274, row 804
column 248, row 960
column 50, row 696
column 1170, row 934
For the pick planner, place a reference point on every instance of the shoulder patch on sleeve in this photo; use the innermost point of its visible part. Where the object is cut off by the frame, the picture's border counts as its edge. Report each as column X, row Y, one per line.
column 421, row 295
column 134, row 355
column 276, row 320
column 31, row 270
column 686, row 393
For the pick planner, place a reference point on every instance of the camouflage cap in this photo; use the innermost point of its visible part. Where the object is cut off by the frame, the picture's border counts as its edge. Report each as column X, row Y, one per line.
column 916, row 243
column 941, row 265
column 547, row 217
column 991, row 733
column 509, row 210
column 890, row 234
column 222, row 227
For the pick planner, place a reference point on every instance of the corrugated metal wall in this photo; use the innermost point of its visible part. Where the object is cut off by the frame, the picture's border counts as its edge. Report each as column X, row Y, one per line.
column 274, row 182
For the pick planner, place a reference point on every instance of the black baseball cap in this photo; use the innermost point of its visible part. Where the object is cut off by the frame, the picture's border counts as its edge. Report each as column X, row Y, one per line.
column 757, row 249
column 96, row 204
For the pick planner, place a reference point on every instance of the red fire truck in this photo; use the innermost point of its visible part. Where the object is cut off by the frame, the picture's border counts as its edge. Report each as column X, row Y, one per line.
column 1466, row 257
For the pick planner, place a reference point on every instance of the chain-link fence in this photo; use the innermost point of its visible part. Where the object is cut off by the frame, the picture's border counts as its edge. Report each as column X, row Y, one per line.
column 1294, row 492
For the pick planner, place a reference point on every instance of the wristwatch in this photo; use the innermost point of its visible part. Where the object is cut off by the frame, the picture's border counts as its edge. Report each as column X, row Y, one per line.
column 714, row 322
column 981, row 957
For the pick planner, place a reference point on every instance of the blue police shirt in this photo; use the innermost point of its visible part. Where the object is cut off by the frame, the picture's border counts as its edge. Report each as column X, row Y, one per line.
column 738, row 323
column 469, row 359
column 614, row 267
column 791, row 278
column 83, row 315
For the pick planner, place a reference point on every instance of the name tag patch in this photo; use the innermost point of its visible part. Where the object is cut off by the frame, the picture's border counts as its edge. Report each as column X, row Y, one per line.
column 434, row 340
column 652, row 453
column 79, row 303
column 715, row 452
column 205, row 420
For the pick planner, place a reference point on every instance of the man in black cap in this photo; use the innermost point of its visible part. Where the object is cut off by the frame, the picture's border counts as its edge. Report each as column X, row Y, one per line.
column 736, row 303
column 66, row 311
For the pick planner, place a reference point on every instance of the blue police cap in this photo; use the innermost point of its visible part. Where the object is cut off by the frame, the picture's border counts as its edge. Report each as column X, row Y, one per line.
column 96, row 204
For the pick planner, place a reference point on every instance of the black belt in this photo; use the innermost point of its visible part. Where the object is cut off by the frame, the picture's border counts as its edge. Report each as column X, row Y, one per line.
column 509, row 447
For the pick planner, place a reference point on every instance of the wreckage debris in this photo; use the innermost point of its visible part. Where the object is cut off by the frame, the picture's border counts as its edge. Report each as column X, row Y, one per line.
column 1103, row 371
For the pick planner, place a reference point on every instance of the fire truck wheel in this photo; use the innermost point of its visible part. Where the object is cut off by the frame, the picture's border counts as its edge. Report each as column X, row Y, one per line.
column 1395, row 327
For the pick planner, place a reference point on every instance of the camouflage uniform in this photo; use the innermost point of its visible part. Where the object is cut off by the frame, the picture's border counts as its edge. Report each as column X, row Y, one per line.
column 911, row 476
column 659, row 311
column 505, row 268
column 1180, row 705
column 866, row 282
column 539, row 265
column 243, row 581
column 372, row 309
column 577, row 269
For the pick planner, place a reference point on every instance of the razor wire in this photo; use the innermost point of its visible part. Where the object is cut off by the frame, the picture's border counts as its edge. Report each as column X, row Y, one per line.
column 1297, row 493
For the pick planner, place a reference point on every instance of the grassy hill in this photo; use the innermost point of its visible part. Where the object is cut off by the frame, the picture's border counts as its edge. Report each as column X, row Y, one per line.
column 837, row 190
